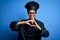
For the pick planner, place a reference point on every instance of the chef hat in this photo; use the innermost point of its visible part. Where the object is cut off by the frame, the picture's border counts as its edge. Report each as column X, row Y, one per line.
column 32, row 6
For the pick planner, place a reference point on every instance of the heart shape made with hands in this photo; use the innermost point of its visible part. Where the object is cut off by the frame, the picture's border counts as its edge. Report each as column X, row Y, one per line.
column 32, row 23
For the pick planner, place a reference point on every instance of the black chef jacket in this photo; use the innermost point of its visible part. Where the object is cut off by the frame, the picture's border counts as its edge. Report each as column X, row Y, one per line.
column 27, row 32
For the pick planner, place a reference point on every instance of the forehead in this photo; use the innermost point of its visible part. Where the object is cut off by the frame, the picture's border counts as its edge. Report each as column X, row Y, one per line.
column 31, row 11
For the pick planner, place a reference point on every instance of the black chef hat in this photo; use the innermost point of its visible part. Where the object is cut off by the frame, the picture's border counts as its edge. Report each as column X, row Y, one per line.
column 32, row 6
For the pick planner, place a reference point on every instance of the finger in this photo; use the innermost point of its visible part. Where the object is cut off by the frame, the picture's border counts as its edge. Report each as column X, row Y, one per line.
column 33, row 25
column 29, row 24
column 30, row 20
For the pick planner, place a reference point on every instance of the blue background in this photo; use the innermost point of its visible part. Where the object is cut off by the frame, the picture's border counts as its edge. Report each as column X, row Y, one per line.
column 13, row 10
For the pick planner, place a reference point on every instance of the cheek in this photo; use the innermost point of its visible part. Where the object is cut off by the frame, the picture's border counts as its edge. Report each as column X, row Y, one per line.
column 31, row 14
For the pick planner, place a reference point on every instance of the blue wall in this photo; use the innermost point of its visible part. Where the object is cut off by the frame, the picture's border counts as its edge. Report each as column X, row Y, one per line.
column 13, row 10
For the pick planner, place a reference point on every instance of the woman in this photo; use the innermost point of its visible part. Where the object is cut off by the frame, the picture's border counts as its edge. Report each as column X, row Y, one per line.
column 30, row 29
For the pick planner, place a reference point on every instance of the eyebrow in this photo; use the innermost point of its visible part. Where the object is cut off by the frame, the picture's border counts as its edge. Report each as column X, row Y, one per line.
column 32, row 13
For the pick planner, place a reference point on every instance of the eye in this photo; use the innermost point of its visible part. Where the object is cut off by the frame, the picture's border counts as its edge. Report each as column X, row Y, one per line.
column 31, row 13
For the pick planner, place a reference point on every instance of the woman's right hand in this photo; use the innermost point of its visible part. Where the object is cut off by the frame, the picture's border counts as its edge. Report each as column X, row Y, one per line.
column 28, row 22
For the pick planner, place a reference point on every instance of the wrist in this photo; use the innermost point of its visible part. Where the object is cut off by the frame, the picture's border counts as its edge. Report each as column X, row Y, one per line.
column 19, row 23
column 24, row 22
column 39, row 27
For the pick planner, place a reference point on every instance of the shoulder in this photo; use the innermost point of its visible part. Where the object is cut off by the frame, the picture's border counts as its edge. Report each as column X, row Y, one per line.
column 39, row 22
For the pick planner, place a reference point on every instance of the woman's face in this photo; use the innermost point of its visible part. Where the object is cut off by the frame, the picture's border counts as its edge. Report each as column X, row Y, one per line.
column 31, row 13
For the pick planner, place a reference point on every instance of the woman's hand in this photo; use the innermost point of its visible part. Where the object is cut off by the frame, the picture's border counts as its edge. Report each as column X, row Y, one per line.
column 33, row 23
column 29, row 22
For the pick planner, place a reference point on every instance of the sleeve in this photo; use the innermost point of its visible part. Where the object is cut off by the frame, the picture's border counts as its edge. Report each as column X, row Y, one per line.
column 44, row 32
column 13, row 26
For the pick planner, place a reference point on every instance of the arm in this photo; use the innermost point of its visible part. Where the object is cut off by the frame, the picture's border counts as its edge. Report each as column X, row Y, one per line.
column 44, row 32
column 15, row 25
column 40, row 26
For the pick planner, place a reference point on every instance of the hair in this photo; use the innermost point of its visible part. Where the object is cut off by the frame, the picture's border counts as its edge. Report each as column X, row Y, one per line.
column 28, row 11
